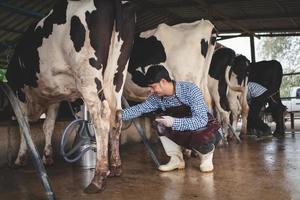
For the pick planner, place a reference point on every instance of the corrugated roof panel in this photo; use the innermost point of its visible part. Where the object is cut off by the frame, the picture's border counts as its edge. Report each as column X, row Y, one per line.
column 187, row 12
column 159, row 2
column 255, row 14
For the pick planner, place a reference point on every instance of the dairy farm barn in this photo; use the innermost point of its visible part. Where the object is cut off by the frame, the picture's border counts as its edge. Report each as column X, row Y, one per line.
column 65, row 64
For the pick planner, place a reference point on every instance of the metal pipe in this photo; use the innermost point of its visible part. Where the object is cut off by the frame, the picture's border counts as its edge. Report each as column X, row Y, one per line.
column 229, row 36
column 291, row 74
column 143, row 136
column 85, row 112
column 252, row 45
column 23, row 123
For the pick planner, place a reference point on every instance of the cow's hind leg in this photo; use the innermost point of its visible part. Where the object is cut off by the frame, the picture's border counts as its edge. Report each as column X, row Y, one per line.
column 48, row 128
column 277, row 112
column 115, row 159
column 100, row 113
column 32, row 111
column 222, row 115
column 245, row 111
column 22, row 156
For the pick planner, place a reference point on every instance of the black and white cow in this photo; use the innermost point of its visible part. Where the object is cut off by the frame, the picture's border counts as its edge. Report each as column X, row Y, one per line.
column 184, row 49
column 229, row 100
column 269, row 75
column 80, row 49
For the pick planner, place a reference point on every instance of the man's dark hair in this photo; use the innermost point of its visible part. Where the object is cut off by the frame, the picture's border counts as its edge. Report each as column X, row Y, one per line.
column 155, row 73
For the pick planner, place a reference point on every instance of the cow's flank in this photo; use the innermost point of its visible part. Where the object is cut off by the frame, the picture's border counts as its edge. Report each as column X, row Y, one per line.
column 79, row 50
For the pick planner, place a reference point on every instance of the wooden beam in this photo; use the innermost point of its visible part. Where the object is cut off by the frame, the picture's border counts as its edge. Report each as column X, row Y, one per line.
column 260, row 17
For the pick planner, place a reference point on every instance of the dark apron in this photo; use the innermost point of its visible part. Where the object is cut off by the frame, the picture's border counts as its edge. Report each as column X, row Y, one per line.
column 198, row 139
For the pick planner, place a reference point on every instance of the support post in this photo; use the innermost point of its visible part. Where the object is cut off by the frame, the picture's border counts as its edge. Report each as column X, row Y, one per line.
column 252, row 45
column 292, row 123
column 34, row 153
column 143, row 136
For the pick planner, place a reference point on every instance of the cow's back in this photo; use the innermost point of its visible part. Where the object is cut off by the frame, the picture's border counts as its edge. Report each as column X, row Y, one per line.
column 266, row 73
column 184, row 49
column 55, row 52
column 220, row 60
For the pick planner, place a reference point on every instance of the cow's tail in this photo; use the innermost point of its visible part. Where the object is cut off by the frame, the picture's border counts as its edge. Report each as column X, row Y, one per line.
column 230, row 85
column 119, row 18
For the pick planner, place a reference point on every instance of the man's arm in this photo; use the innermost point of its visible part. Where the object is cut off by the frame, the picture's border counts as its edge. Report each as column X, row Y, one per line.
column 149, row 105
column 199, row 110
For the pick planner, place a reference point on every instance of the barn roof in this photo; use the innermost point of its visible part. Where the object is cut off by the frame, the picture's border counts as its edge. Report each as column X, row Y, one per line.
column 229, row 16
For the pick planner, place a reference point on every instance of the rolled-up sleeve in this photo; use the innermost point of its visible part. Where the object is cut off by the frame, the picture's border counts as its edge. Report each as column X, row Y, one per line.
column 199, row 111
column 149, row 105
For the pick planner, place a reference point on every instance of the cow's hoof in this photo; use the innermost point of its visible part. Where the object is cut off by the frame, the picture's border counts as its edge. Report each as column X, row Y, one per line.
column 48, row 156
column 20, row 162
column 115, row 171
column 97, row 185
column 230, row 138
column 16, row 166
column 242, row 137
column 48, row 160
column 94, row 188
column 264, row 134
column 278, row 135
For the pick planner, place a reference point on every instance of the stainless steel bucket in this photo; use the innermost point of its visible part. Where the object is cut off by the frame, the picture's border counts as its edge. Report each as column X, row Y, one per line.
column 88, row 160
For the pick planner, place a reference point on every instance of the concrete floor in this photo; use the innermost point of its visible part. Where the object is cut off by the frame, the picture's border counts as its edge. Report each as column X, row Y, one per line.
column 266, row 169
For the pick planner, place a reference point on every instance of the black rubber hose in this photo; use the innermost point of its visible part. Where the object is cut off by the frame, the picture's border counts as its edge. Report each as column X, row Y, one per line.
column 82, row 140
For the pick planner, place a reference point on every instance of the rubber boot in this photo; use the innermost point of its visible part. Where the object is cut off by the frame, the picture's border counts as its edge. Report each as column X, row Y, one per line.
column 175, row 152
column 206, row 164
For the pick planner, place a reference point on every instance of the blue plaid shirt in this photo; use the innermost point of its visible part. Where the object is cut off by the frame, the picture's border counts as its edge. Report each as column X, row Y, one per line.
column 185, row 93
column 254, row 90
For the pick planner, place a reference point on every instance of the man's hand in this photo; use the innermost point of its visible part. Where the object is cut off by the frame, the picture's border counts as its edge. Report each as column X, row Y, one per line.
column 166, row 121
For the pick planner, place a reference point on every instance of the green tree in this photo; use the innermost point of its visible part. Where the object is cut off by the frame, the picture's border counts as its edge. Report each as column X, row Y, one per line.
column 286, row 50
column 2, row 75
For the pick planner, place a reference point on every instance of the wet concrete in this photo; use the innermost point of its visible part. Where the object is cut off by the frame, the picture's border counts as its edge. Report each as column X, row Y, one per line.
column 266, row 169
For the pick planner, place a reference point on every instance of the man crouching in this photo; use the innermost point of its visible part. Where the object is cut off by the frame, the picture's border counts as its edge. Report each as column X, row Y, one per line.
column 181, row 119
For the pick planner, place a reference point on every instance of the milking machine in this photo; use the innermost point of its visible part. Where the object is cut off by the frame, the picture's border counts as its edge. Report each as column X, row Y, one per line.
column 78, row 141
